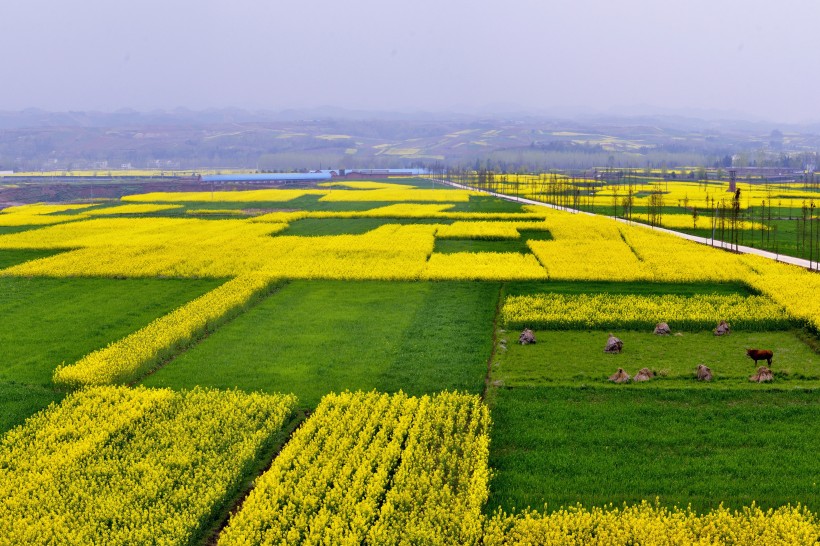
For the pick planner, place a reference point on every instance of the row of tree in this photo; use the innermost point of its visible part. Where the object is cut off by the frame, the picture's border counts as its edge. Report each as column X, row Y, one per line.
column 730, row 220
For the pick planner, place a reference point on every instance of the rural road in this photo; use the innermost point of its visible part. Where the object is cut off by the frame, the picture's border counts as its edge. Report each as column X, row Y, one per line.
column 702, row 240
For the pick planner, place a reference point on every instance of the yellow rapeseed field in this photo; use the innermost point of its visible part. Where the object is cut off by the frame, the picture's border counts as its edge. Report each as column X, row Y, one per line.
column 650, row 525
column 43, row 208
column 113, row 465
column 604, row 311
column 487, row 230
column 376, row 469
column 366, row 185
column 483, row 266
column 398, row 210
column 685, row 221
column 39, row 214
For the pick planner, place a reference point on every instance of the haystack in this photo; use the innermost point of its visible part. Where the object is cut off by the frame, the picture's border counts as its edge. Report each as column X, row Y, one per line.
column 526, row 337
column 763, row 375
column 662, row 329
column 722, row 328
column 645, row 374
column 704, row 373
column 620, row 376
column 613, row 345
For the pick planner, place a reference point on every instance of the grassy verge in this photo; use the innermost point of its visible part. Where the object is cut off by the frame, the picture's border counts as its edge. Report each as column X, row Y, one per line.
column 596, row 446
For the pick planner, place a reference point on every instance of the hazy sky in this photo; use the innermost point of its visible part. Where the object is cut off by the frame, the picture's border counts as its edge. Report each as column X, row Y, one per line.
column 755, row 57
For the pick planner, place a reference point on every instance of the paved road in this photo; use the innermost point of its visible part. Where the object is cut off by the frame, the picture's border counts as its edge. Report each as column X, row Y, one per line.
column 703, row 240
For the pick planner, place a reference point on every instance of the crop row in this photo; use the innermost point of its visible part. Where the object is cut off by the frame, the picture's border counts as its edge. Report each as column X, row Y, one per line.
column 149, row 247
column 112, row 465
column 376, row 469
column 605, row 311
column 273, row 195
column 486, row 230
column 39, row 215
column 405, row 210
column 129, row 358
column 650, row 525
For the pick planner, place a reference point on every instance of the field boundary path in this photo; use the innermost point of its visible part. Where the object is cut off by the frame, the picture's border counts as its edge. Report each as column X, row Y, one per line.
column 702, row 240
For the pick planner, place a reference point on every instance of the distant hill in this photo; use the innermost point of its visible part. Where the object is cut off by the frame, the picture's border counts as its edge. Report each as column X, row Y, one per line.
column 331, row 137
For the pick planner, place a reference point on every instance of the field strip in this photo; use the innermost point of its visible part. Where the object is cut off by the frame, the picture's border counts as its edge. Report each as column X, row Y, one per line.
column 646, row 523
column 603, row 311
column 374, row 468
column 132, row 357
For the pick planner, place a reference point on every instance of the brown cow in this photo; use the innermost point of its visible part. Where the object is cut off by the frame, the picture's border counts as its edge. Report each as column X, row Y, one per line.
column 760, row 354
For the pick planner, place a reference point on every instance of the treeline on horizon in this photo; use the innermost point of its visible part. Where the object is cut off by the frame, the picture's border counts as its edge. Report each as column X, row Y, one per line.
column 502, row 146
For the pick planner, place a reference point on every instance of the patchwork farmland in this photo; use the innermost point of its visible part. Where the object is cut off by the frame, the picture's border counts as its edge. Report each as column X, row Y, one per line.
column 340, row 365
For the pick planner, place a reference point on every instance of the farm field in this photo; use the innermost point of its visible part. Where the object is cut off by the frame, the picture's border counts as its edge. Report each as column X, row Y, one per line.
column 316, row 337
column 384, row 317
column 48, row 321
column 700, row 447
column 577, row 358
